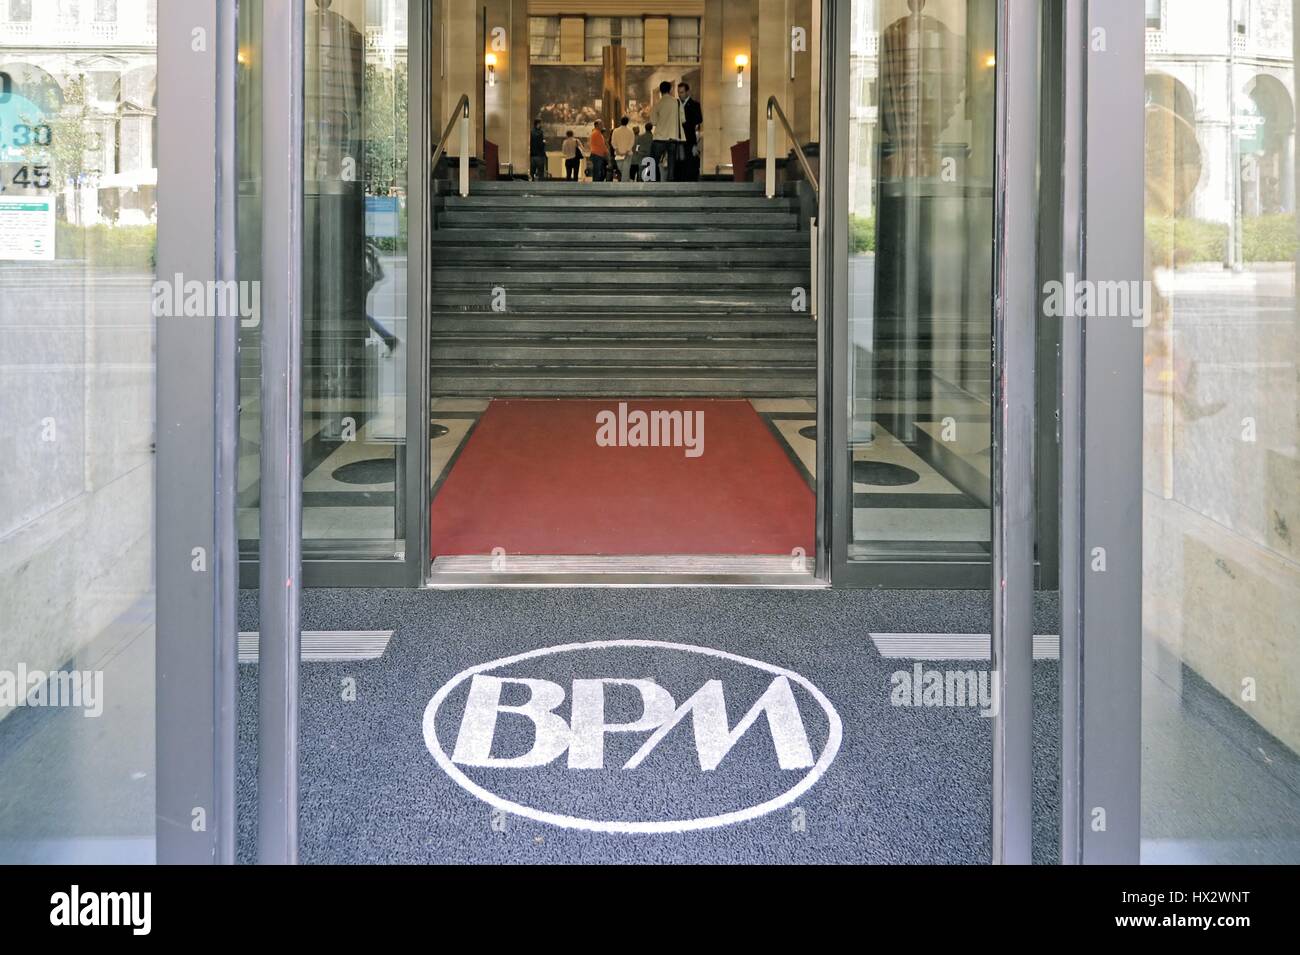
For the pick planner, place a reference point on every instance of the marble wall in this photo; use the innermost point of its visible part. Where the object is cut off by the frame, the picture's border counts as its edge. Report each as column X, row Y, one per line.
column 76, row 497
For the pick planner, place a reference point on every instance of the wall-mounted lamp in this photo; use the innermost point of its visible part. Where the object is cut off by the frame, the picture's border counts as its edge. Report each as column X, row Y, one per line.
column 742, row 61
column 491, row 61
column 990, row 61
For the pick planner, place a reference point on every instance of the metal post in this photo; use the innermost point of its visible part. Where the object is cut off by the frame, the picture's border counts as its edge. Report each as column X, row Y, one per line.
column 1015, row 308
column 464, row 150
column 281, row 474
column 194, row 504
column 1107, row 593
column 813, row 241
column 1074, row 44
column 226, row 536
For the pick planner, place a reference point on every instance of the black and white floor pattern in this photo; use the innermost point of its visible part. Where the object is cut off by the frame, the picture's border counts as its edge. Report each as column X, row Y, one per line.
column 926, row 495
column 348, row 484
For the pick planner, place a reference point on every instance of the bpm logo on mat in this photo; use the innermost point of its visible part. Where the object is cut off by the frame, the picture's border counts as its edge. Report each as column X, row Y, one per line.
column 635, row 736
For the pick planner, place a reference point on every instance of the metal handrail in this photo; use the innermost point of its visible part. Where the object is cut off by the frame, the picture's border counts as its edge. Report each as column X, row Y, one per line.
column 459, row 114
column 774, row 107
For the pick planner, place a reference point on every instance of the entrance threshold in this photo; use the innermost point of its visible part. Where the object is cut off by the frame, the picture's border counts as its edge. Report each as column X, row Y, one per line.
column 706, row 570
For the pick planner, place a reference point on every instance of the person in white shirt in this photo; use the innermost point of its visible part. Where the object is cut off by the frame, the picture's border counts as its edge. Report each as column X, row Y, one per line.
column 571, row 149
column 622, row 140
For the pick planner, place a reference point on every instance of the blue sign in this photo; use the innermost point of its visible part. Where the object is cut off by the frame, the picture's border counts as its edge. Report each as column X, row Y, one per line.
column 24, row 134
column 382, row 217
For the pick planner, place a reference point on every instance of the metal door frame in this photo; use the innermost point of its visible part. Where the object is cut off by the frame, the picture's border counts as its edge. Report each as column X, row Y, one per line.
column 1103, row 120
column 197, row 393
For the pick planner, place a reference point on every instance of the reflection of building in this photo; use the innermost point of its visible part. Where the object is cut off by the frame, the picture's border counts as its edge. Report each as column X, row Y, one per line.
column 864, row 72
column 99, row 56
column 1197, row 53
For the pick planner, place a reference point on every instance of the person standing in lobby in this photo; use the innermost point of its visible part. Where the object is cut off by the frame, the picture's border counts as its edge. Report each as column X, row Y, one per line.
column 537, row 152
column 645, row 149
column 669, row 132
column 692, row 120
column 599, row 153
column 571, row 149
column 622, row 140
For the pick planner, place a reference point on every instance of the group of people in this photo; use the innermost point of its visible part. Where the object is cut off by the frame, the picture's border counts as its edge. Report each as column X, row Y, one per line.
column 669, row 149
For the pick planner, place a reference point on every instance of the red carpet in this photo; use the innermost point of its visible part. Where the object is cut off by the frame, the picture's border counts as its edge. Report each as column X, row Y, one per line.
column 532, row 479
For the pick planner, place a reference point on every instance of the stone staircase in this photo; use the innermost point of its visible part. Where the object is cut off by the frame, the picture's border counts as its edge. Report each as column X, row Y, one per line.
column 620, row 290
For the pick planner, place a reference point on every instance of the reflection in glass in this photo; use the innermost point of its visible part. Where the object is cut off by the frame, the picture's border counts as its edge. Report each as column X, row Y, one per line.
column 78, row 178
column 1221, row 579
column 920, row 263
column 354, row 276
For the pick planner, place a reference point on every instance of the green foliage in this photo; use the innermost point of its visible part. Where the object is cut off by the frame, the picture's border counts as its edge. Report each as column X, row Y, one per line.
column 384, row 148
column 1270, row 238
column 1178, row 241
column 74, row 139
column 108, row 246
column 862, row 234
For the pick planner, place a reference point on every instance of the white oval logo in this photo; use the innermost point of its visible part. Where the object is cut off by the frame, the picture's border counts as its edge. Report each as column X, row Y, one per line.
column 627, row 747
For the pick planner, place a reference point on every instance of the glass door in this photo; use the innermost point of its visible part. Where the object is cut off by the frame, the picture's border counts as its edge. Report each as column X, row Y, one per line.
column 1220, row 658
column 361, row 291
column 912, row 363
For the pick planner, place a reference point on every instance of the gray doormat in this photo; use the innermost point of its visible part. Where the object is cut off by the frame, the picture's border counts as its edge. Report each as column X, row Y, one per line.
column 625, row 725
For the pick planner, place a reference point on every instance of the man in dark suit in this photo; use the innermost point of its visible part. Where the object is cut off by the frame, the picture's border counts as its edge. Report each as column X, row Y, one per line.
column 693, row 118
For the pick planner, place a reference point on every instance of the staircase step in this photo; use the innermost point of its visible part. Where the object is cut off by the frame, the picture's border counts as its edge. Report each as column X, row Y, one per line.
column 620, row 289
column 731, row 325
column 611, row 354
column 624, row 382
column 554, row 186
column 563, row 220
column 614, row 203
column 679, row 260
column 629, row 238
column 612, row 301
column 596, row 279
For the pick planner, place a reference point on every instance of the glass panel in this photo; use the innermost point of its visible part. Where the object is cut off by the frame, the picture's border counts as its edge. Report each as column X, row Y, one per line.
column 1221, row 442
column 248, row 252
column 77, row 237
column 354, row 278
column 920, row 264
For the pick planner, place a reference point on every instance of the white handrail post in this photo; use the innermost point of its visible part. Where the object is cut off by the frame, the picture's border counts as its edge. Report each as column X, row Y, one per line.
column 770, row 174
column 812, row 254
column 464, row 151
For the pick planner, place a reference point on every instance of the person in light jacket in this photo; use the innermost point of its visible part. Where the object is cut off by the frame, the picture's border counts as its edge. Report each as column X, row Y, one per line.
column 669, row 131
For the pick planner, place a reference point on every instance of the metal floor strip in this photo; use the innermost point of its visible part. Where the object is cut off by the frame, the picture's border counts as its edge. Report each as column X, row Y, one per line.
column 326, row 645
column 954, row 646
